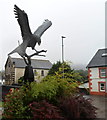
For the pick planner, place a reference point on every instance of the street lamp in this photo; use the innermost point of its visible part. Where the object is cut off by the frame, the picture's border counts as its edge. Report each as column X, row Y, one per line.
column 63, row 54
column 62, row 49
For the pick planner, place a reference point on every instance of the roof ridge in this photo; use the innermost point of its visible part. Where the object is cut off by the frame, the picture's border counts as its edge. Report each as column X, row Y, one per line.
column 102, row 49
column 31, row 59
column 36, row 63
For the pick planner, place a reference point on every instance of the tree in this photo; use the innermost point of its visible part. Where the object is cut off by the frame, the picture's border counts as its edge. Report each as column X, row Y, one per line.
column 84, row 74
column 65, row 71
column 54, row 68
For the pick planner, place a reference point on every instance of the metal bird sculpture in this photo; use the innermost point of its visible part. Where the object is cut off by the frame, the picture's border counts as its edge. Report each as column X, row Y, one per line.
column 29, row 39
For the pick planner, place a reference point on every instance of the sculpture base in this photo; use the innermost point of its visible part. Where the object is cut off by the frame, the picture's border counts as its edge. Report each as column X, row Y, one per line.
column 28, row 74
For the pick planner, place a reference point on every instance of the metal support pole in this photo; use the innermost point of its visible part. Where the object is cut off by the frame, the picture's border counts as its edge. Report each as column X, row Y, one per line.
column 63, row 54
column 62, row 49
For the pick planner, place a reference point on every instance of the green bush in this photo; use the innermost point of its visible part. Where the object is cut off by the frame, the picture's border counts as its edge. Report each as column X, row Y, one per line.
column 23, row 102
column 21, row 80
column 17, row 102
column 44, row 90
column 14, row 106
column 52, row 88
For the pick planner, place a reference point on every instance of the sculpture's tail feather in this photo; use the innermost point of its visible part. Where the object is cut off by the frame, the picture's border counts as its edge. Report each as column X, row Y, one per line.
column 14, row 51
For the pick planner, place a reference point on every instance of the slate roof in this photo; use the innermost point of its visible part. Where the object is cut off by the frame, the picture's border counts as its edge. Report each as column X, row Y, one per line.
column 99, row 59
column 36, row 63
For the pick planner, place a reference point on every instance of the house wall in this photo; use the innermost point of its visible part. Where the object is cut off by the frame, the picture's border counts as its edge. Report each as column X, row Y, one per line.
column 19, row 72
column 95, row 80
column 38, row 77
column 12, row 73
column 9, row 73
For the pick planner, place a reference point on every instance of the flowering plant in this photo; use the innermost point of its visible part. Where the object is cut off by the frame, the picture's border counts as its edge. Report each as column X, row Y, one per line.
column 14, row 105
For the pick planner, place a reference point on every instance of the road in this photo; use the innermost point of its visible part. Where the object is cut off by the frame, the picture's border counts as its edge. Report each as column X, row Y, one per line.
column 101, row 103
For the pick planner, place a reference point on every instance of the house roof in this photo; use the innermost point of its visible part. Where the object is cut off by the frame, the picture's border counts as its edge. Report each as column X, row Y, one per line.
column 36, row 63
column 99, row 59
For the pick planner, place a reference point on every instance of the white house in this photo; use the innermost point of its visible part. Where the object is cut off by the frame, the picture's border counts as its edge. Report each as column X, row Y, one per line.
column 15, row 67
column 97, row 73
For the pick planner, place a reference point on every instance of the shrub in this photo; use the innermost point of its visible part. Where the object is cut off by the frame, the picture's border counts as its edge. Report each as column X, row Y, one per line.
column 17, row 101
column 45, row 110
column 77, row 107
column 87, row 110
column 69, row 108
column 14, row 105
column 44, row 90
column 21, row 80
column 31, row 101
column 52, row 88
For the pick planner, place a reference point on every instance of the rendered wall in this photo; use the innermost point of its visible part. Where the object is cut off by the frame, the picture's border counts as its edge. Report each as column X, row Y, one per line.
column 94, row 81
column 19, row 72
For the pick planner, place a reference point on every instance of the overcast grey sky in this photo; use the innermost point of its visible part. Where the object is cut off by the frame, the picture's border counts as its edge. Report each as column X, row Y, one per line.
column 82, row 22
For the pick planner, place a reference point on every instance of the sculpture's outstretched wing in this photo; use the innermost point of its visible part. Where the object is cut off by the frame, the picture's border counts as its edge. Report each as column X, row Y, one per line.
column 23, row 22
column 41, row 29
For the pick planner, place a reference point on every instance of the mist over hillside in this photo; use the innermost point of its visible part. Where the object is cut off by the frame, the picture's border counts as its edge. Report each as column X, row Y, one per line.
column 79, row 66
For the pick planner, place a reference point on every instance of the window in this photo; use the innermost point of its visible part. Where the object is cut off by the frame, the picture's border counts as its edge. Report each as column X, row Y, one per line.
column 35, row 73
column 103, row 72
column 102, row 86
column 9, row 64
column 42, row 73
